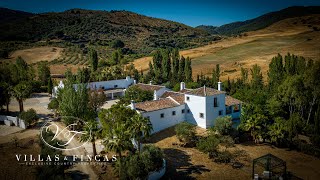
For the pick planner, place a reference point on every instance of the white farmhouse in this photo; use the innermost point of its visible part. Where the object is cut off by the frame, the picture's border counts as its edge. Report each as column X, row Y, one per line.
column 112, row 88
column 199, row 106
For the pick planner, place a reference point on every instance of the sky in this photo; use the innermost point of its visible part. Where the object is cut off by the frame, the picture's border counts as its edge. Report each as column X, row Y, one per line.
column 189, row 12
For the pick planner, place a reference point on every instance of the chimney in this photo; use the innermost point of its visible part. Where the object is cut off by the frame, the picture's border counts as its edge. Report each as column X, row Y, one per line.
column 128, row 78
column 204, row 90
column 182, row 86
column 155, row 97
column 134, row 81
column 150, row 82
column 219, row 86
column 133, row 107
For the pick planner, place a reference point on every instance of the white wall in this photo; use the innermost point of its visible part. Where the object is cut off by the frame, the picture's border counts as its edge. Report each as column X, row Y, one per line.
column 161, row 91
column 197, row 105
column 169, row 120
column 213, row 112
column 121, row 83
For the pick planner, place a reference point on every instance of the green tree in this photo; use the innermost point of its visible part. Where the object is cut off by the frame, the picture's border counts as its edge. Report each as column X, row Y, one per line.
column 93, row 57
column 96, row 99
column 21, row 92
column 134, row 93
column 256, row 80
column 5, row 94
column 185, row 132
column 141, row 128
column 223, row 124
column 188, row 70
column 96, row 132
column 117, row 44
column 181, row 73
column 43, row 73
column 277, row 131
column 50, row 86
column 276, row 71
column 29, row 116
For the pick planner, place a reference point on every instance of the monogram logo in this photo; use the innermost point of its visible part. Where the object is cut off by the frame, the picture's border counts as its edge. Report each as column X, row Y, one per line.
column 66, row 138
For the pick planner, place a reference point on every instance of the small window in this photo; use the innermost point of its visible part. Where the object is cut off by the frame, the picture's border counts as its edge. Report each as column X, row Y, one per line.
column 188, row 98
column 215, row 102
column 173, row 113
column 188, row 111
column 236, row 108
column 201, row 115
column 182, row 111
column 220, row 113
column 115, row 86
column 162, row 115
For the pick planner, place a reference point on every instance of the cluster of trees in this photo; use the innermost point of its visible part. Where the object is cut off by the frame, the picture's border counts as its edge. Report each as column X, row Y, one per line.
column 167, row 66
column 287, row 105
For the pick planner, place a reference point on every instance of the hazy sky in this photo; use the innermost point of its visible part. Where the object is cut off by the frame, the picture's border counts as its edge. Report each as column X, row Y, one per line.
column 190, row 12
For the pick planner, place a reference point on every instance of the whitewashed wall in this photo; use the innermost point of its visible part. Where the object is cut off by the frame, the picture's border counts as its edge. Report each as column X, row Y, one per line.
column 197, row 105
column 213, row 112
column 169, row 120
column 120, row 83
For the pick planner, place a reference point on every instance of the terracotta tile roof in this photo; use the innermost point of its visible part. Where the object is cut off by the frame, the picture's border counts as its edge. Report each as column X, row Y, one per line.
column 156, row 104
column 232, row 101
column 170, row 93
column 204, row 91
column 179, row 98
column 148, row 87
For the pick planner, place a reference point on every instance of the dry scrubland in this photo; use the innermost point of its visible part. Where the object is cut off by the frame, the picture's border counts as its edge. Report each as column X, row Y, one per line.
column 294, row 35
column 189, row 163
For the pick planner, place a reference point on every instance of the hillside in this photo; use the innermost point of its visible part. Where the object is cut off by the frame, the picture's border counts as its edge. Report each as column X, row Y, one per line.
column 209, row 29
column 140, row 33
column 299, row 36
column 264, row 20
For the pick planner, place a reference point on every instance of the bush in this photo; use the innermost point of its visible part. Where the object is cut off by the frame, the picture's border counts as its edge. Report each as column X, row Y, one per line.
column 223, row 157
column 29, row 116
column 208, row 144
column 223, row 125
column 54, row 104
column 185, row 132
column 138, row 166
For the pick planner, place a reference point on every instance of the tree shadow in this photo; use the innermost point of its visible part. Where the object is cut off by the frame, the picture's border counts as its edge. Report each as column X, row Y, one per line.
column 179, row 165
column 77, row 175
column 159, row 136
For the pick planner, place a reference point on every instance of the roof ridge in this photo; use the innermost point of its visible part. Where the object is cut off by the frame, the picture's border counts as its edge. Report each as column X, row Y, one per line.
column 169, row 97
column 151, row 84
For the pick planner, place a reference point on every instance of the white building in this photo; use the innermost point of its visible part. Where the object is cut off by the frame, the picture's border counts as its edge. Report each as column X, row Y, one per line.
column 199, row 106
column 112, row 88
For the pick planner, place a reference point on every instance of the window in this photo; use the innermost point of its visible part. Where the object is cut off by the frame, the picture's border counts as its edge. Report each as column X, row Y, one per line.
column 173, row 113
column 236, row 108
column 188, row 111
column 228, row 110
column 188, row 98
column 162, row 115
column 182, row 111
column 220, row 113
column 215, row 102
column 201, row 115
column 115, row 86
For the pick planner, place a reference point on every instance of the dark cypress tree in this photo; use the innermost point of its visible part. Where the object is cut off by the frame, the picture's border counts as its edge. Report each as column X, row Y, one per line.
column 175, row 65
column 157, row 67
column 188, row 70
column 93, row 56
column 218, row 72
column 50, row 86
column 276, row 71
column 181, row 72
column 166, row 65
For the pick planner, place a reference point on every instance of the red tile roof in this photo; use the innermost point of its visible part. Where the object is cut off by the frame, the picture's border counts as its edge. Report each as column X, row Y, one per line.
column 204, row 91
column 156, row 104
column 232, row 101
column 149, row 87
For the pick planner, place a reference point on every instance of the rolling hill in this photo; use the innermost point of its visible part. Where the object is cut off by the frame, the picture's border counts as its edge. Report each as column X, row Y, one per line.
column 299, row 36
column 140, row 33
column 261, row 21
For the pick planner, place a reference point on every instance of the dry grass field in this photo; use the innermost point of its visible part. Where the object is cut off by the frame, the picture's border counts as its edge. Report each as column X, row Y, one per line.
column 190, row 163
column 294, row 35
column 37, row 54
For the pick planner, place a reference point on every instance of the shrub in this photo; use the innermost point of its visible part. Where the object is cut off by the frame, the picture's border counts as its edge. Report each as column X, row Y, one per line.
column 223, row 157
column 223, row 125
column 208, row 144
column 138, row 166
column 29, row 116
column 185, row 132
